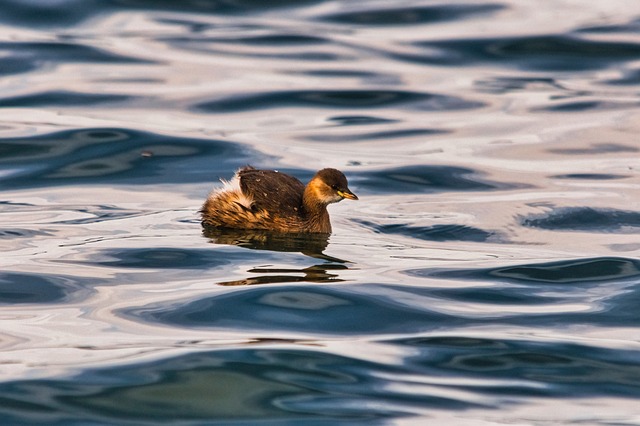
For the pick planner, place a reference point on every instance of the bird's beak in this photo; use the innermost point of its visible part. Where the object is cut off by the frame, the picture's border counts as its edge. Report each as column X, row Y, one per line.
column 347, row 194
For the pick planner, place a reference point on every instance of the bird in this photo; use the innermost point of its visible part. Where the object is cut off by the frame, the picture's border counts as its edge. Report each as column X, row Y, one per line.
column 274, row 201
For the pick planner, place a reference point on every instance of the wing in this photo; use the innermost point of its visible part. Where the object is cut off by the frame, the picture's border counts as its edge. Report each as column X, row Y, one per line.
column 278, row 193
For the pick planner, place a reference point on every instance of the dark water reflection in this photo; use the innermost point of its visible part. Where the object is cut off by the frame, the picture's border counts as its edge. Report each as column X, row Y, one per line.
column 604, row 289
column 436, row 232
column 281, row 385
column 428, row 178
column 597, row 148
column 160, row 258
column 42, row 13
column 352, row 99
column 324, row 310
column 90, row 156
column 288, row 386
column 31, row 55
column 407, row 15
column 575, row 271
column 587, row 219
column 545, row 52
column 48, row 99
column 591, row 176
column 16, row 288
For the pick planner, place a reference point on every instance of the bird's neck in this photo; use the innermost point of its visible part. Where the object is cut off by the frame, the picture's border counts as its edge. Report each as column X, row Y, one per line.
column 316, row 212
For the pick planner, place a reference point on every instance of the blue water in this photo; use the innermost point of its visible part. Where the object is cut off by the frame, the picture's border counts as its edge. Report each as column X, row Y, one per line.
column 489, row 273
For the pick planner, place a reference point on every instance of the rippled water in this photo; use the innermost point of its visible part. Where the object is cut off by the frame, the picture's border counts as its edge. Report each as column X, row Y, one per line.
column 489, row 273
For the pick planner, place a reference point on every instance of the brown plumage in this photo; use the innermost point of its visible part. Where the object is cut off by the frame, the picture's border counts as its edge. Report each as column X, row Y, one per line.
column 270, row 200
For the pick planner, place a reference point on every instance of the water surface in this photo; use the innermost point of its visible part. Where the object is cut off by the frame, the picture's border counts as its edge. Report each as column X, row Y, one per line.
column 488, row 274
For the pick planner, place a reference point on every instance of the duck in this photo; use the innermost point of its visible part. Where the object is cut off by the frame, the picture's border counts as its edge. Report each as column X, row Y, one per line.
column 274, row 201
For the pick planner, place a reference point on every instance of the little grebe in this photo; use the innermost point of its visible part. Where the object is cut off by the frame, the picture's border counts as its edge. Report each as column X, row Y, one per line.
column 274, row 201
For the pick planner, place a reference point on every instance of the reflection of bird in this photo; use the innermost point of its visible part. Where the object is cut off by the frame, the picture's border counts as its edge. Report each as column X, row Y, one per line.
column 270, row 200
column 313, row 274
column 312, row 245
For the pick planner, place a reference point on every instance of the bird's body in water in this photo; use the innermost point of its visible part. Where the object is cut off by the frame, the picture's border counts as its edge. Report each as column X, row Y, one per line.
column 274, row 201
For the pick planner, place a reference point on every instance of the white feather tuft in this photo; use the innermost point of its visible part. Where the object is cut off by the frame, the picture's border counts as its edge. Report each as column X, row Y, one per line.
column 233, row 187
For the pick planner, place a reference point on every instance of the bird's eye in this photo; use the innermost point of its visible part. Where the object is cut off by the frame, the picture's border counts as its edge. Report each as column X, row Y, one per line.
column 334, row 187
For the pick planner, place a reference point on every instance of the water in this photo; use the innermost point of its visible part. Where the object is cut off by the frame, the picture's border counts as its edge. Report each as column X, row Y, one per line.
column 489, row 273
